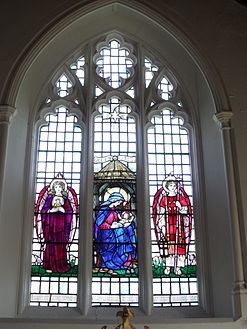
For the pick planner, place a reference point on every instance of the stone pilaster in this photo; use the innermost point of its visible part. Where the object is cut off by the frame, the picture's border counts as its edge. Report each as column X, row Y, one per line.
column 223, row 119
column 6, row 114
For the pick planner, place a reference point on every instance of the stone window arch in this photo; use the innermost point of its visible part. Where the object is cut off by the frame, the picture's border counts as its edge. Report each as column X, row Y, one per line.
column 202, row 97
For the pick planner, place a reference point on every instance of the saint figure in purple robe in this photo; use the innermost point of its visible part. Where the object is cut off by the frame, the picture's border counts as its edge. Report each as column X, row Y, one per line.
column 56, row 217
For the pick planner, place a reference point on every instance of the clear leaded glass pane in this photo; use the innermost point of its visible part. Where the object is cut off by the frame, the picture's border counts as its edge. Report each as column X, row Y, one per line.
column 55, row 226
column 115, row 268
column 165, row 88
column 114, row 63
column 78, row 68
column 171, row 208
column 64, row 86
column 150, row 68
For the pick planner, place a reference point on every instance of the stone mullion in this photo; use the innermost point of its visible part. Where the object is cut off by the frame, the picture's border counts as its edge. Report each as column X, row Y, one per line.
column 86, row 229
column 145, row 259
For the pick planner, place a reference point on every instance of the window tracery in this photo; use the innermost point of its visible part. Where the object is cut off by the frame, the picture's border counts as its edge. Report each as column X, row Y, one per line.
column 118, row 112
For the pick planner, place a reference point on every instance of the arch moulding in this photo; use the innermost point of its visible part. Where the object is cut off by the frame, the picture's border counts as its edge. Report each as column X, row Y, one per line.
column 120, row 8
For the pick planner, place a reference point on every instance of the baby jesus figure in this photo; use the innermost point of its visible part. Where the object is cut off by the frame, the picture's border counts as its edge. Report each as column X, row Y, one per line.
column 126, row 218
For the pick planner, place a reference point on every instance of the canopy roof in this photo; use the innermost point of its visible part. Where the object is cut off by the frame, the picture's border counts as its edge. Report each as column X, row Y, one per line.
column 115, row 170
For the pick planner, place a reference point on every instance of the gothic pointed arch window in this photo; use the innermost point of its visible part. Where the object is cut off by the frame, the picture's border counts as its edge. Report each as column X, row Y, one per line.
column 115, row 108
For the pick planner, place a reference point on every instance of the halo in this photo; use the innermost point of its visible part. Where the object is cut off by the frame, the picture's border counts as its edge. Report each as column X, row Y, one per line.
column 169, row 178
column 59, row 178
column 119, row 190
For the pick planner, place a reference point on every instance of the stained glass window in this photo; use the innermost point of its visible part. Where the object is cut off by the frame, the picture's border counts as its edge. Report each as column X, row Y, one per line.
column 55, row 229
column 133, row 116
column 115, row 267
column 171, row 208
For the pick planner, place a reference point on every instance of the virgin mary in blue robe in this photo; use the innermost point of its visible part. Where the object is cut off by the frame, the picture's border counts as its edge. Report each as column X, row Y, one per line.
column 116, row 247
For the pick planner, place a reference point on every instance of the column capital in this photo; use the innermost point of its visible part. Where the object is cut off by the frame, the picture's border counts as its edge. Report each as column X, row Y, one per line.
column 6, row 113
column 223, row 119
